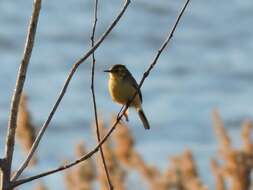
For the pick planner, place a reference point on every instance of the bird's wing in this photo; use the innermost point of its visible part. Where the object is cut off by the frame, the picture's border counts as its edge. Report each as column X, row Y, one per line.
column 134, row 84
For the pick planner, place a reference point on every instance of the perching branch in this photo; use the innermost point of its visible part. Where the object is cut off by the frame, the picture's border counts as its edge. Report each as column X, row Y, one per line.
column 12, row 124
column 94, row 96
column 64, row 89
column 120, row 115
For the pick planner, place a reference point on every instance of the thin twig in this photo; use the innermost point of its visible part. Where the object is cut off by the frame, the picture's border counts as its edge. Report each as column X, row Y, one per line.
column 64, row 89
column 88, row 155
column 12, row 125
column 110, row 186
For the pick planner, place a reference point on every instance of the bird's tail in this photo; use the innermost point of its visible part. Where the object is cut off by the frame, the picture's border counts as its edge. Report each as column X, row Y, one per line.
column 143, row 118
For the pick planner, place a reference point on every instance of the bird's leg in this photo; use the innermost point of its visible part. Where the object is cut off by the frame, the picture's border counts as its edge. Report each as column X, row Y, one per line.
column 126, row 115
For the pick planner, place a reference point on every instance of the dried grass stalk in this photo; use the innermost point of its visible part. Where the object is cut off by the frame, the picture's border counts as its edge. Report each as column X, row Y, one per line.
column 217, row 172
column 81, row 177
column 40, row 186
column 117, row 173
column 25, row 129
column 237, row 163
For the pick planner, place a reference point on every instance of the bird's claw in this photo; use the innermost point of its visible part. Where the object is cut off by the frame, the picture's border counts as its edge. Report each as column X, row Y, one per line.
column 126, row 117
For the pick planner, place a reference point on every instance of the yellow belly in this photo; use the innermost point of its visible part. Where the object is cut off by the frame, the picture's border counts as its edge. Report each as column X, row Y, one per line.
column 122, row 91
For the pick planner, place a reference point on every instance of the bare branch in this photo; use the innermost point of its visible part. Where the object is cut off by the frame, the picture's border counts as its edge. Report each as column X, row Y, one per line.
column 94, row 96
column 10, row 140
column 64, row 89
column 120, row 114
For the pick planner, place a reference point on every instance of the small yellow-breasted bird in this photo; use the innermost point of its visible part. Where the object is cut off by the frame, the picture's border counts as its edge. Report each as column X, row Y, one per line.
column 122, row 87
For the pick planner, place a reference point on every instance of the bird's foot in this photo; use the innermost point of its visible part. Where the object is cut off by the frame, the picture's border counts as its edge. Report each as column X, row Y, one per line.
column 126, row 117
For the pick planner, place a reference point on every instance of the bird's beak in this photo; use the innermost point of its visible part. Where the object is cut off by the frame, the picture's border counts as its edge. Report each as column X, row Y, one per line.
column 107, row 71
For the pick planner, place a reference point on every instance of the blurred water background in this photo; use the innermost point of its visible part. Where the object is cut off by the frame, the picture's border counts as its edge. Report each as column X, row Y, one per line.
column 208, row 65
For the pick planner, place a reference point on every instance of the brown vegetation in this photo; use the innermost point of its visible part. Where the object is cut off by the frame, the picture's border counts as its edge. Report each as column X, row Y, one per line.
column 82, row 175
column 25, row 129
column 237, row 163
column 40, row 186
column 231, row 169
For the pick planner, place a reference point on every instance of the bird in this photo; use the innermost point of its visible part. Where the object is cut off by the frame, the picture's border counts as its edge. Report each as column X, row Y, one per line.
column 122, row 87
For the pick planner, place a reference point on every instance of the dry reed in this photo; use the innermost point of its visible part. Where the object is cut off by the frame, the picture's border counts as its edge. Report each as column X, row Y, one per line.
column 231, row 169
column 237, row 162
column 40, row 186
column 117, row 174
column 25, row 129
column 81, row 176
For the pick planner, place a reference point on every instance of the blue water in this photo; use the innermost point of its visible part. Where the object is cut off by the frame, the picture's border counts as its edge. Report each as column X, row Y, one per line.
column 208, row 65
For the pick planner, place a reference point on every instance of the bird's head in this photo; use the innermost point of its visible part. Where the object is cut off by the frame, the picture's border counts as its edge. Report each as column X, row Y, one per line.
column 118, row 71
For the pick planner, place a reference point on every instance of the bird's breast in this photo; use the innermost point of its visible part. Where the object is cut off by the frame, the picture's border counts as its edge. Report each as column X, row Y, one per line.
column 121, row 91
